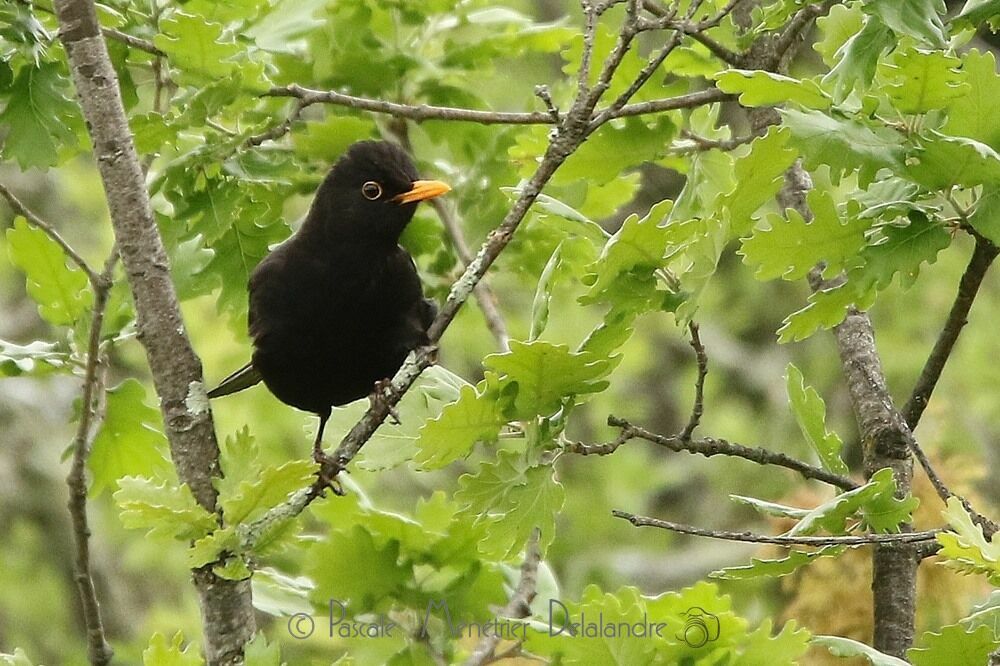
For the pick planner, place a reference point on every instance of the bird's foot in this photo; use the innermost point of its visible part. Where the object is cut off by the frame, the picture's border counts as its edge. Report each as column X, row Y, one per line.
column 383, row 388
column 327, row 473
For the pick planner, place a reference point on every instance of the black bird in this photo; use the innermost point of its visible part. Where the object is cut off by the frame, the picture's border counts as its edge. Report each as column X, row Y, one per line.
column 335, row 309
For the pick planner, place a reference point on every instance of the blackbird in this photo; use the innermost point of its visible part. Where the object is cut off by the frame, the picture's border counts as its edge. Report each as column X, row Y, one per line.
column 335, row 309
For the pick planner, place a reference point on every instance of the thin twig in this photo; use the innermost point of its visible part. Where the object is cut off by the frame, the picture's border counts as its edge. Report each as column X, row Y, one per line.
column 697, row 30
column 422, row 112
column 710, row 446
column 797, row 26
column 699, row 386
column 519, row 605
column 543, row 93
column 282, row 128
column 35, row 221
column 697, row 143
column 134, row 42
column 99, row 651
column 968, row 287
column 750, row 537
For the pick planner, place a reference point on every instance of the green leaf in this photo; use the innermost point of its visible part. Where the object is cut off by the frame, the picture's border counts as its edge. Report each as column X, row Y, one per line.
column 237, row 253
column 36, row 358
column 826, row 308
column 904, row 250
column 810, row 413
column 625, row 606
column 161, row 653
column 130, row 441
column 196, row 47
column 954, row 646
column 770, row 508
column 836, row 28
column 258, row 652
column 844, row 145
column 543, row 294
column 547, row 374
column 917, row 18
column 162, row 509
column 846, row 647
column 986, row 218
column 974, row 115
column 885, row 512
column 832, row 516
column 351, row 568
column 630, row 258
column 895, row 250
column 776, row 568
column 475, row 417
column 326, row 141
column 209, row 548
column 947, row 161
column 977, row 12
column 38, row 117
column 547, row 207
column 61, row 291
column 271, row 487
column 858, row 58
column 509, row 500
column 790, row 248
column 925, row 80
column 965, row 549
column 787, row 647
column 758, row 176
column 760, row 88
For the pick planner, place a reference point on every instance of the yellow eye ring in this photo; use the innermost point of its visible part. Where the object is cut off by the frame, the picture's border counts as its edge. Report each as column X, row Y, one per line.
column 371, row 190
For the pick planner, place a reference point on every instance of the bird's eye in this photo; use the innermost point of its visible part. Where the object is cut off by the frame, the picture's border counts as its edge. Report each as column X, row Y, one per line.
column 371, row 190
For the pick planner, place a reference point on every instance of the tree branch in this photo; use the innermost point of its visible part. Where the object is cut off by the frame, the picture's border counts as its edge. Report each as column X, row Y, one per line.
column 710, row 446
column 35, row 221
column 968, row 287
column 227, row 613
column 750, row 537
column 92, row 400
column 885, row 443
column 421, row 112
column 519, row 605
column 698, row 408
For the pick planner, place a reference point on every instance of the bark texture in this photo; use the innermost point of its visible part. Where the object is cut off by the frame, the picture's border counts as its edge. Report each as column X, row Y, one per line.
column 226, row 609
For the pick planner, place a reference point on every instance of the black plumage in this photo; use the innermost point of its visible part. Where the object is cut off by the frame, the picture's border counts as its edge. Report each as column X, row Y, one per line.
column 336, row 308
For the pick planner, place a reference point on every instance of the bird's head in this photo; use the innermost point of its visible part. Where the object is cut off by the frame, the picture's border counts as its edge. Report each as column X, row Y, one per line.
column 371, row 194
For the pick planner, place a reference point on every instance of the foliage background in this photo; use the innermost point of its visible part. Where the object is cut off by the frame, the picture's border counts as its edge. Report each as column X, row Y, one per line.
column 487, row 57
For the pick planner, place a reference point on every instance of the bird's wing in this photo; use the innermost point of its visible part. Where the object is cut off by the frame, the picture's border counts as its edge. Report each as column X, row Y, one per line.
column 243, row 378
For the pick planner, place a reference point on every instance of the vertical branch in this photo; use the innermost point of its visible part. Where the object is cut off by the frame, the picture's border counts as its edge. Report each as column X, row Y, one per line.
column 698, row 408
column 884, row 437
column 982, row 258
column 227, row 613
column 99, row 652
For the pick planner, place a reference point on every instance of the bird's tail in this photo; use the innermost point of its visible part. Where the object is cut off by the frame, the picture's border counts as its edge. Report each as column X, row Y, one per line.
column 243, row 378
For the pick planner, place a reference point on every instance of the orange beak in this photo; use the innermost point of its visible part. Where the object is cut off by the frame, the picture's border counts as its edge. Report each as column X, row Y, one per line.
column 421, row 190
